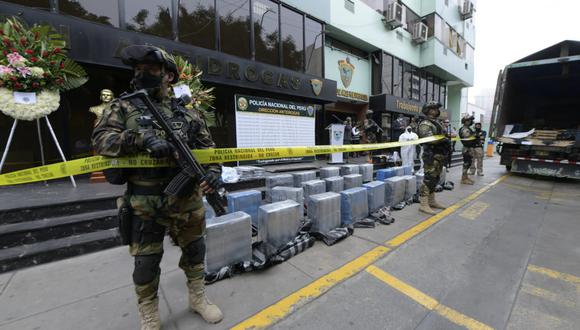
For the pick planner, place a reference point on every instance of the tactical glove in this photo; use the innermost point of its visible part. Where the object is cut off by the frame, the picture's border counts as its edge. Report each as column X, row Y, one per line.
column 155, row 146
column 213, row 179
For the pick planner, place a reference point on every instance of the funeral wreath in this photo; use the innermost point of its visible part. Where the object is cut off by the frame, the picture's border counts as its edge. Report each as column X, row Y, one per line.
column 201, row 97
column 34, row 69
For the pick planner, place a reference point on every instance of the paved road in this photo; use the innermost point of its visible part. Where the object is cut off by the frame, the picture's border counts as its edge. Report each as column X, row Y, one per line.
column 509, row 259
column 504, row 255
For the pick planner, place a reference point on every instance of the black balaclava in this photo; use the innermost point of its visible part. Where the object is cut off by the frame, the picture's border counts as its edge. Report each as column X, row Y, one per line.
column 149, row 82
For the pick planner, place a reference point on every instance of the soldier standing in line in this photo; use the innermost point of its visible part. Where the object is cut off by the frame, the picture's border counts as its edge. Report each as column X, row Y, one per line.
column 478, row 151
column 434, row 155
column 121, row 132
column 467, row 136
column 347, row 137
column 371, row 128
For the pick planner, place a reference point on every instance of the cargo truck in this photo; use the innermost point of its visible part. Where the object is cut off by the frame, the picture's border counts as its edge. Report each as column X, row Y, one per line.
column 536, row 113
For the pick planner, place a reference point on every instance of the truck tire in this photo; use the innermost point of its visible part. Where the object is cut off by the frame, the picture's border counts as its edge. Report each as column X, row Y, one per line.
column 498, row 148
column 508, row 168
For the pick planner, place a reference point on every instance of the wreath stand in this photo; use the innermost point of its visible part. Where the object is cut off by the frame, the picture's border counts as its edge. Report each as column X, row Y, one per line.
column 11, row 135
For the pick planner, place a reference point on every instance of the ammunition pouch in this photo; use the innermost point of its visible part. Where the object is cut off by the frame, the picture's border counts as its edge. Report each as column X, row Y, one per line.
column 125, row 218
column 116, row 176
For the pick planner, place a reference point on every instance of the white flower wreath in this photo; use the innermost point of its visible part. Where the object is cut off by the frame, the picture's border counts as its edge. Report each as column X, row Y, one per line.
column 47, row 102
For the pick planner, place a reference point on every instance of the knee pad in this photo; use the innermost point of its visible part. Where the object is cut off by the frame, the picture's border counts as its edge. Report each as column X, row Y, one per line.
column 195, row 251
column 146, row 268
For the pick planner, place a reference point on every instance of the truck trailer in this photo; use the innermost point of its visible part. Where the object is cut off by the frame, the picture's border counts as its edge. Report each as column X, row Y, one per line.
column 536, row 113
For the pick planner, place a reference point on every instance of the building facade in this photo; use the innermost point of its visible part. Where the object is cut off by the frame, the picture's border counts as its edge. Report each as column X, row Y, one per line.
column 267, row 53
column 407, row 52
column 319, row 61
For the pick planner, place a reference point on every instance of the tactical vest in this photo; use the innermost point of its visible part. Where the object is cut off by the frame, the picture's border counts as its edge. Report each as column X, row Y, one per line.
column 139, row 119
column 464, row 133
column 436, row 129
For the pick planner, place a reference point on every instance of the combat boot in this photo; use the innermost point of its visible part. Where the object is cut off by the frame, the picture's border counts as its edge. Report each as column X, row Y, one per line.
column 149, row 313
column 433, row 203
column 424, row 206
column 466, row 180
column 200, row 304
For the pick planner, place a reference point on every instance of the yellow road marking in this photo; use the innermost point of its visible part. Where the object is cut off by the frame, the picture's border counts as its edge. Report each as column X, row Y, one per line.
column 554, row 274
column 548, row 295
column 474, row 211
column 425, row 300
column 410, row 233
column 284, row 307
column 287, row 305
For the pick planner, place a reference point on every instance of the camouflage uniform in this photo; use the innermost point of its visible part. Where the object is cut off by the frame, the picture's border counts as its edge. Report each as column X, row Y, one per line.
column 478, row 152
column 434, row 154
column 371, row 129
column 118, row 134
column 466, row 132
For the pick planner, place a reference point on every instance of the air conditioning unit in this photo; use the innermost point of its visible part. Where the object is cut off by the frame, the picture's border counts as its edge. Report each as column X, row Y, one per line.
column 393, row 16
column 420, row 32
column 466, row 10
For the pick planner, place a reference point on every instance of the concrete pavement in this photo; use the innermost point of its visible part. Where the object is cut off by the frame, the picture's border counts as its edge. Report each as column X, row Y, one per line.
column 506, row 257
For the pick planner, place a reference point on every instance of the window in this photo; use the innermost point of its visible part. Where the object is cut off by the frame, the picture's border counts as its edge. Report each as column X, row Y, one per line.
column 410, row 18
column 460, row 50
column 376, row 68
column 430, row 22
column 436, row 89
column 397, row 77
column 415, row 85
column 314, row 49
column 453, row 39
column 423, row 89
column 149, row 16
column 445, row 35
column 469, row 52
column 104, row 11
column 196, row 23
column 234, row 18
column 442, row 93
column 429, row 87
column 349, row 5
column 266, row 31
column 44, row 4
column 292, row 40
column 387, row 74
column 407, row 79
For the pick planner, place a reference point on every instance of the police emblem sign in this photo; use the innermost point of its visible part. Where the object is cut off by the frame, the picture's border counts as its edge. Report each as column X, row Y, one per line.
column 346, row 71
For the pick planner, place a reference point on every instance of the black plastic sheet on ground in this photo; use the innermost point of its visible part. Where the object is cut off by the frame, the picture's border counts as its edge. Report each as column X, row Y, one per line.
column 335, row 235
column 260, row 260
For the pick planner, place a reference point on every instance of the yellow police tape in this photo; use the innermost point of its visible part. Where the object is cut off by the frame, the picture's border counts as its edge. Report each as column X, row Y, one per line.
column 204, row 156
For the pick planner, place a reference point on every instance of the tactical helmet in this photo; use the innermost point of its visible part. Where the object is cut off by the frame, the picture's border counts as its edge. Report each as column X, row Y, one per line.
column 467, row 118
column 146, row 54
column 431, row 105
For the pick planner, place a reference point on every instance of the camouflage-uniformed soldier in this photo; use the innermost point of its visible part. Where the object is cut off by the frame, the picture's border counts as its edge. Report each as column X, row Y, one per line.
column 434, row 154
column 467, row 135
column 121, row 132
column 480, row 136
column 371, row 128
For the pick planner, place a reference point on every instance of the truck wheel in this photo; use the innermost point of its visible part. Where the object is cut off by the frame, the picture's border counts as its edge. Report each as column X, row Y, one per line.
column 508, row 168
column 498, row 148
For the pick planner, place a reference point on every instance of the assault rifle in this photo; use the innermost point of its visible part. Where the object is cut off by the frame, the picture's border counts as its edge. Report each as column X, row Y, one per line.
column 190, row 168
